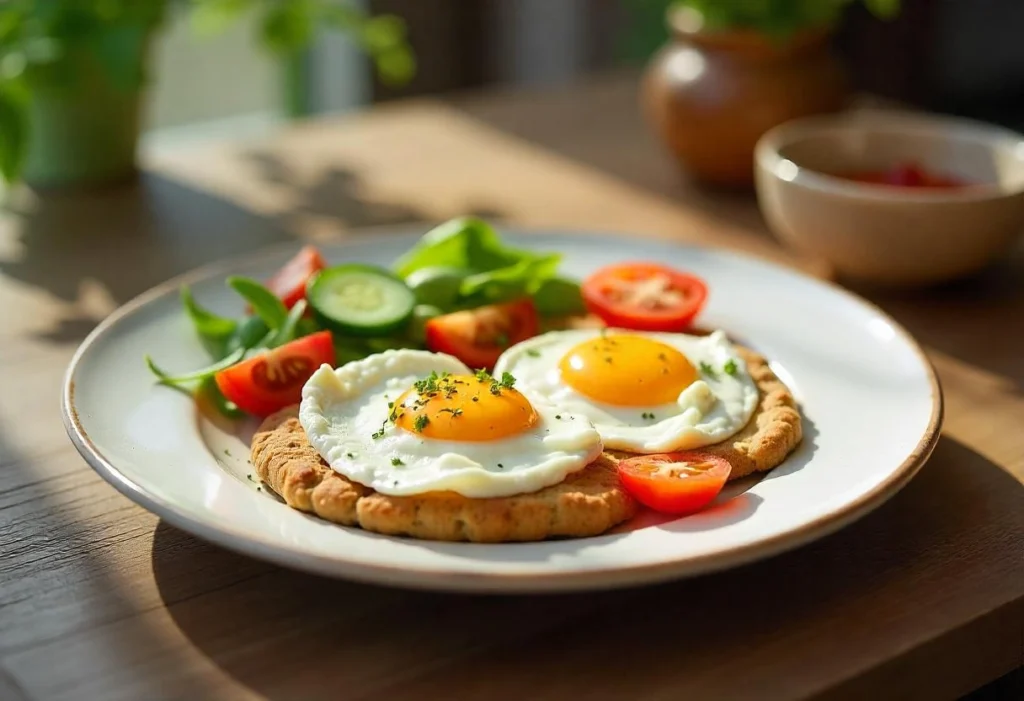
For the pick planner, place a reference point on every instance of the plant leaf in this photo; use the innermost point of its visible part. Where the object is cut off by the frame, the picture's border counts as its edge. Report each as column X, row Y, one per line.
column 464, row 242
column 522, row 278
column 886, row 9
column 215, row 16
column 196, row 375
column 264, row 302
column 287, row 26
column 288, row 329
column 559, row 296
column 209, row 391
column 214, row 331
column 14, row 126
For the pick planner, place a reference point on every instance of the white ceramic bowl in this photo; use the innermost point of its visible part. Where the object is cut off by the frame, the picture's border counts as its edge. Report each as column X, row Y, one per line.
column 893, row 235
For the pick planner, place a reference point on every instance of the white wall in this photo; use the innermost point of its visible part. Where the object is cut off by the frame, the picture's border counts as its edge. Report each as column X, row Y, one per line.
column 199, row 79
column 225, row 83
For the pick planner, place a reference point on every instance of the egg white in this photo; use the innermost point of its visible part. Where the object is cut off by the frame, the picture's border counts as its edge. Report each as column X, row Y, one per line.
column 342, row 408
column 713, row 408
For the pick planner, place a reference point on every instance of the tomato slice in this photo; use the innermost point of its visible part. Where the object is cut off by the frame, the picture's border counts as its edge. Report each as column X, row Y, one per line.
column 644, row 296
column 273, row 380
column 478, row 336
column 675, row 483
column 289, row 283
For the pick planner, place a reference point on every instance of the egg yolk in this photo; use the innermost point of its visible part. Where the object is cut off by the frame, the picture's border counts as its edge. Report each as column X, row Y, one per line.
column 463, row 408
column 627, row 370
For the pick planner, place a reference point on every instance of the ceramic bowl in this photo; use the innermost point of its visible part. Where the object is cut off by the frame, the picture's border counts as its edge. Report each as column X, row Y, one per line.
column 893, row 236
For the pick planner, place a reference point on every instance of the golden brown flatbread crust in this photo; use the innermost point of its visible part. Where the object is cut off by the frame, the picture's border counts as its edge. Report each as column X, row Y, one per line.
column 587, row 503
column 772, row 433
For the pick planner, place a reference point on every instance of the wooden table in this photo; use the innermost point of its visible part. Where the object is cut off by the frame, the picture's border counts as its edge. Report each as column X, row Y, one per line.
column 99, row 599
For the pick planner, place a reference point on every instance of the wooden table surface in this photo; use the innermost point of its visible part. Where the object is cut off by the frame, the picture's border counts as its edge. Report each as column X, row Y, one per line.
column 99, row 599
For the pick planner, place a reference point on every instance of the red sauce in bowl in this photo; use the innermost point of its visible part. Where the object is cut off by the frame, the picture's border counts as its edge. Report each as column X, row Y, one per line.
column 905, row 175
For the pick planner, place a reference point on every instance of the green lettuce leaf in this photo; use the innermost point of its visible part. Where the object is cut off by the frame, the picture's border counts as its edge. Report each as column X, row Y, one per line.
column 559, row 296
column 498, row 272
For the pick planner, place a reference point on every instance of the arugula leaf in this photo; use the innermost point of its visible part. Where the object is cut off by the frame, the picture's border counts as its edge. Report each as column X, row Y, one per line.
column 209, row 391
column 264, row 302
column 559, row 296
column 214, row 331
column 249, row 334
column 196, row 375
column 288, row 330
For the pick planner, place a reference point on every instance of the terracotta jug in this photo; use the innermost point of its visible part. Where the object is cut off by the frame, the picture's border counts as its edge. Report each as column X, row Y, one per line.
column 711, row 95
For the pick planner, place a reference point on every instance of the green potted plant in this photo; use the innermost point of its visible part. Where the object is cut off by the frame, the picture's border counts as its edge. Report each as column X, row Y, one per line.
column 734, row 69
column 73, row 73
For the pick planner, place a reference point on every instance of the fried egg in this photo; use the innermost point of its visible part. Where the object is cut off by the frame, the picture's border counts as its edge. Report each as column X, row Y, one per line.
column 644, row 392
column 405, row 422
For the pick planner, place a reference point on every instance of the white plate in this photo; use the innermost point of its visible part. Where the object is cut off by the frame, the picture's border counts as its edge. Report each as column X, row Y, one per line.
column 871, row 403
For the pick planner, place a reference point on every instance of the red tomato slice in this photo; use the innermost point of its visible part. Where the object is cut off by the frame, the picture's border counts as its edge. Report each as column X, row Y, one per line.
column 273, row 380
column 289, row 283
column 644, row 296
column 478, row 336
column 675, row 483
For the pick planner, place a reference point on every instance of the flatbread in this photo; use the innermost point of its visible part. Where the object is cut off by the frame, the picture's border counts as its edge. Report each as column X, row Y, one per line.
column 772, row 433
column 586, row 503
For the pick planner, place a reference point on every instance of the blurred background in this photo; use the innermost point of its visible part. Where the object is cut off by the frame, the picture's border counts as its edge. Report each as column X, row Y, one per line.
column 947, row 55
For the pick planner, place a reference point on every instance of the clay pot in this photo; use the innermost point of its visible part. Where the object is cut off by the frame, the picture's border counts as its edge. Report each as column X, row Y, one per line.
column 711, row 95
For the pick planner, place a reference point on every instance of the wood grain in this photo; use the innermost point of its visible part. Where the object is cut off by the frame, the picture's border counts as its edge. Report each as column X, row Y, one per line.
column 98, row 599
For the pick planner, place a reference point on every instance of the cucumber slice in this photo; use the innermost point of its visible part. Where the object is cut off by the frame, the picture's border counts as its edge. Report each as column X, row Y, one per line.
column 362, row 300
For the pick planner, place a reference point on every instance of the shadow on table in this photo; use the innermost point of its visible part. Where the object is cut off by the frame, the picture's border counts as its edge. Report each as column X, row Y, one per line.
column 286, row 634
column 117, row 242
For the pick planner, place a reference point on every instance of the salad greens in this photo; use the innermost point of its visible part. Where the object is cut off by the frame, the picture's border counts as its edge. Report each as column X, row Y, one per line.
column 466, row 264
column 461, row 264
column 215, row 332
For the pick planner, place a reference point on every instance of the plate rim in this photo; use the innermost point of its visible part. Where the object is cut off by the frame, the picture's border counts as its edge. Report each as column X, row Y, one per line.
column 443, row 580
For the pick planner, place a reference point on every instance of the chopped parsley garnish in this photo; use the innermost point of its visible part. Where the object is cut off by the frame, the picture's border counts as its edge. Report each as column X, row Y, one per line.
column 662, row 357
column 396, row 462
column 483, row 376
column 500, row 466
column 476, row 399
column 730, row 367
column 647, row 415
column 377, row 434
column 533, row 353
column 421, row 423
column 507, row 381
column 558, row 416
column 454, row 412
column 708, row 370
column 427, row 384
column 350, row 455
